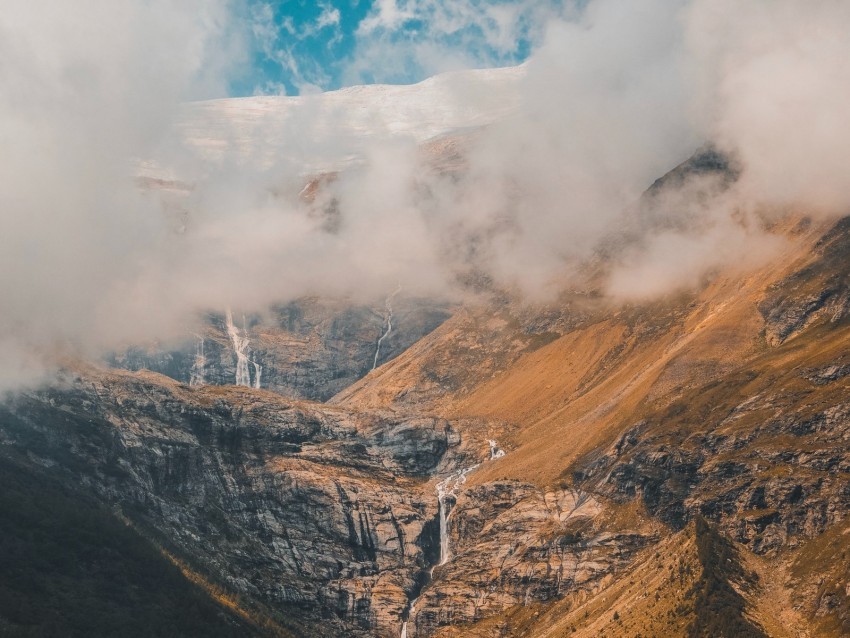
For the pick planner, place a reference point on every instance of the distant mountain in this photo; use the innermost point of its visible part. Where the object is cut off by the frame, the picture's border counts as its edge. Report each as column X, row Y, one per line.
column 329, row 129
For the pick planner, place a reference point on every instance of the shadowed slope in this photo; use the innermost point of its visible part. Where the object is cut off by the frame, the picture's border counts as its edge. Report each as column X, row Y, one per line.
column 68, row 567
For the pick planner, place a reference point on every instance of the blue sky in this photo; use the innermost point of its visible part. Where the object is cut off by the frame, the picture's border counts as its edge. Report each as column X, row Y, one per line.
column 301, row 46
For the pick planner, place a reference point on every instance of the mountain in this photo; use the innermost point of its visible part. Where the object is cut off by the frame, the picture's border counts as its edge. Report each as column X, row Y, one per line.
column 329, row 130
column 587, row 466
column 308, row 348
column 70, row 567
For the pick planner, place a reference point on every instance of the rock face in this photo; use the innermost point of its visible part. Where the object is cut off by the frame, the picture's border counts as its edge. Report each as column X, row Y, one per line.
column 314, row 511
column 308, row 349
column 514, row 544
column 327, row 515
column 762, row 449
column 820, row 291
column 763, row 493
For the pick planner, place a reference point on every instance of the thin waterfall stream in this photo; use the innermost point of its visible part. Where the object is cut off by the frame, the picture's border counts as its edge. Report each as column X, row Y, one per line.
column 197, row 375
column 446, row 488
column 388, row 305
column 240, row 347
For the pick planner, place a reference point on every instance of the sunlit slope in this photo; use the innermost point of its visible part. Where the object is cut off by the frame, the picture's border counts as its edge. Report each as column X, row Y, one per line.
column 558, row 401
column 695, row 583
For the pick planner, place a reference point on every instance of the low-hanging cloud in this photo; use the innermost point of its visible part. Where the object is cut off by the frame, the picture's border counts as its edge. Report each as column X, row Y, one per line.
column 773, row 85
column 616, row 94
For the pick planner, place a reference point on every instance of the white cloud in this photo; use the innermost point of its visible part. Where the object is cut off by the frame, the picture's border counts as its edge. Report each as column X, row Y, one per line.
column 410, row 38
column 385, row 15
column 613, row 97
column 775, row 89
column 328, row 18
column 84, row 89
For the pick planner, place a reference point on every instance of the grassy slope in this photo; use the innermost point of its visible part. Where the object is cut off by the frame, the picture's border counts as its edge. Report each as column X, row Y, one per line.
column 579, row 392
column 683, row 370
column 820, row 577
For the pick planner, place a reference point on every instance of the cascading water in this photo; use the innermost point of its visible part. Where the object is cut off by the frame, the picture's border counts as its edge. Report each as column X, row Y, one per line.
column 240, row 347
column 445, row 488
column 410, row 613
column 388, row 304
column 197, row 375
column 448, row 487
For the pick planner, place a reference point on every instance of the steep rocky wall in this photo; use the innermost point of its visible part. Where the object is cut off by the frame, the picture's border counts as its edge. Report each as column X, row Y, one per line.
column 315, row 512
column 514, row 544
column 307, row 349
column 326, row 515
column 762, row 451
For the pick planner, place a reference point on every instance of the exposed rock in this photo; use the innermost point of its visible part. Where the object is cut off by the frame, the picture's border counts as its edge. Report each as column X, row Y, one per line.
column 514, row 544
column 314, row 510
column 762, row 495
column 308, row 349
column 322, row 513
column 819, row 291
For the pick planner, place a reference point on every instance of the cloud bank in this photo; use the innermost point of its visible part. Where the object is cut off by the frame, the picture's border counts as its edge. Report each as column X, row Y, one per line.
column 616, row 93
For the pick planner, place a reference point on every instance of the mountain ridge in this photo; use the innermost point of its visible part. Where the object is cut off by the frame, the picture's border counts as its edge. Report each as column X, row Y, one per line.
column 623, row 425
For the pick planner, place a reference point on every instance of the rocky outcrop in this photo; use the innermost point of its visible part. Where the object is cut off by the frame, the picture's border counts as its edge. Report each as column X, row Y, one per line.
column 514, row 544
column 307, row 349
column 316, row 512
column 820, row 291
column 768, row 469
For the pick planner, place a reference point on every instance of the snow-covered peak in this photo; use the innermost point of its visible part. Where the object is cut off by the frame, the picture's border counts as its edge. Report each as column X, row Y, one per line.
column 335, row 126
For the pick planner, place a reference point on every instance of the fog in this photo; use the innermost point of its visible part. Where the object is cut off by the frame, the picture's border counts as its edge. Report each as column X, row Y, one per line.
column 613, row 96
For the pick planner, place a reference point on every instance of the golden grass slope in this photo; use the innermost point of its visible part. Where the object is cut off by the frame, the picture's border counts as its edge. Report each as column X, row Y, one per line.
column 577, row 393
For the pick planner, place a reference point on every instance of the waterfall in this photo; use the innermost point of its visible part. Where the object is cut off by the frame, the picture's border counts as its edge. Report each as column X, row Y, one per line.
column 449, row 487
column 197, row 375
column 444, row 524
column 388, row 304
column 410, row 613
column 240, row 347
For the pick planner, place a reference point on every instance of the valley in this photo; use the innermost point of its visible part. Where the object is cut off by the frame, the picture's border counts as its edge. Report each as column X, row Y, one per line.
column 482, row 463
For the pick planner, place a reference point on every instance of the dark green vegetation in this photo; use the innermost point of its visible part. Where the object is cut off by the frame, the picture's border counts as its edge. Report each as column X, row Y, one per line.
column 70, row 568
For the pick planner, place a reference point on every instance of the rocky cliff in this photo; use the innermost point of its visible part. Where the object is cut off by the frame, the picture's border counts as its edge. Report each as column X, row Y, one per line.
column 317, row 512
column 307, row 349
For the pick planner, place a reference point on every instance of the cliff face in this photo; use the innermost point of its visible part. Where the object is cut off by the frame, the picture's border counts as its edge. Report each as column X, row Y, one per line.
column 326, row 515
column 315, row 511
column 513, row 544
column 70, row 567
column 308, row 349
